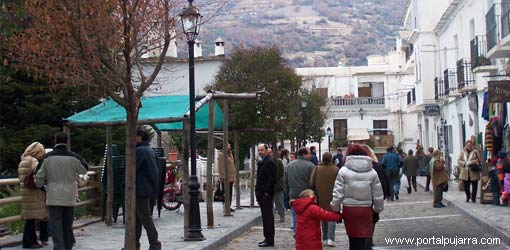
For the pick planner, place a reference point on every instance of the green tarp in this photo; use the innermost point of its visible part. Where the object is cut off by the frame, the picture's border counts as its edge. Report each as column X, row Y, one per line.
column 153, row 107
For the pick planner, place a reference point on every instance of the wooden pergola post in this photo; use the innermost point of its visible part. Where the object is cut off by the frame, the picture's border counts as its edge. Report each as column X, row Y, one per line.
column 210, row 161
column 238, row 164
column 67, row 131
column 226, row 181
column 109, row 169
column 252, row 178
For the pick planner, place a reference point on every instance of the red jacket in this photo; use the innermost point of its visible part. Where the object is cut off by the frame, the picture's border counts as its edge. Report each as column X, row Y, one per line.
column 309, row 216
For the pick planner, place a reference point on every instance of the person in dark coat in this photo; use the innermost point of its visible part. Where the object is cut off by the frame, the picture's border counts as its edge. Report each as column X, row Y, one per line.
column 385, row 187
column 391, row 164
column 495, row 185
column 278, row 196
column 428, row 157
column 146, row 188
column 338, row 159
column 264, row 191
column 410, row 169
column 314, row 158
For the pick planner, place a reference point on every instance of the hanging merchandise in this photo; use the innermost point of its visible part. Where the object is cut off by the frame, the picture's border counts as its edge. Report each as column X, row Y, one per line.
column 485, row 106
column 506, row 138
column 488, row 138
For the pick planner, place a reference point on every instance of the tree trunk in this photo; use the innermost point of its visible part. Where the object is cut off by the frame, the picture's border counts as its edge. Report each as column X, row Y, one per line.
column 130, row 177
column 109, row 169
column 252, row 177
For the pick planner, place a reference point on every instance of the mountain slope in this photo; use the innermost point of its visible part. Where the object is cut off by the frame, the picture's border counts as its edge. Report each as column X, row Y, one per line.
column 309, row 32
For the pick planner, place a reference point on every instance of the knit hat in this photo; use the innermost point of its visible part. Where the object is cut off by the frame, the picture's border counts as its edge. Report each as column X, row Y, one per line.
column 501, row 154
column 355, row 149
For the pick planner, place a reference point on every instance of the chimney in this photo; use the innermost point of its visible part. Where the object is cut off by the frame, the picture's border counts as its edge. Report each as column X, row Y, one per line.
column 219, row 47
column 172, row 47
column 198, row 49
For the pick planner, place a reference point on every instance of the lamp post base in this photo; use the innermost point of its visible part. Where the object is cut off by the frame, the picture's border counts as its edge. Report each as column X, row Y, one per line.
column 195, row 228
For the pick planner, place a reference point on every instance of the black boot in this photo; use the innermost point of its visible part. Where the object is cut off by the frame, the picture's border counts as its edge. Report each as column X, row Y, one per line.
column 409, row 190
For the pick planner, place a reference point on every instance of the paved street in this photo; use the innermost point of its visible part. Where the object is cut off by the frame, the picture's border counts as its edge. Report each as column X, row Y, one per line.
column 410, row 217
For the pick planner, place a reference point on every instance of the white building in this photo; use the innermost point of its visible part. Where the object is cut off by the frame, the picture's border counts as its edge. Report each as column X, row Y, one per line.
column 453, row 57
column 367, row 97
column 173, row 78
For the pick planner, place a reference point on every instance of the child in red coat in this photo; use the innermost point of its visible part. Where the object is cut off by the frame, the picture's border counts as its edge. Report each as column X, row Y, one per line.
column 309, row 216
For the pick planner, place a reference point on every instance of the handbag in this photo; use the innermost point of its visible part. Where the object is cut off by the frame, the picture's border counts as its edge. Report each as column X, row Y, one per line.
column 445, row 189
column 475, row 167
column 29, row 181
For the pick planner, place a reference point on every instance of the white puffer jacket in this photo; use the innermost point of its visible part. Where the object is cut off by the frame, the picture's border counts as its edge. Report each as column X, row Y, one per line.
column 357, row 185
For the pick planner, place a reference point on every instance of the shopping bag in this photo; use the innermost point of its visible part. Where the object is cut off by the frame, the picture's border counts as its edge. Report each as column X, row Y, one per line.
column 403, row 181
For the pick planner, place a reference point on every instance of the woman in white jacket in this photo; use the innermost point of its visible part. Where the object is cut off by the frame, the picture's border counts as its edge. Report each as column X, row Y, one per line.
column 356, row 193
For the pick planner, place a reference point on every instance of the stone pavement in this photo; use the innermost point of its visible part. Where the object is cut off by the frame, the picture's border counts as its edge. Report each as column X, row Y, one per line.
column 412, row 217
column 98, row 236
column 495, row 219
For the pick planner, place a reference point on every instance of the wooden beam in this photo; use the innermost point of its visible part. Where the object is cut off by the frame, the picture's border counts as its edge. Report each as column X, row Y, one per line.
column 251, row 130
column 226, row 179
column 5, row 201
column 67, row 131
column 10, row 219
column 210, row 161
column 118, row 123
column 10, row 181
column 109, row 169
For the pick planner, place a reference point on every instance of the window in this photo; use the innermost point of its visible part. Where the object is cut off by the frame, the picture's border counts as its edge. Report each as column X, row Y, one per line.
column 380, row 124
column 340, row 129
column 322, row 92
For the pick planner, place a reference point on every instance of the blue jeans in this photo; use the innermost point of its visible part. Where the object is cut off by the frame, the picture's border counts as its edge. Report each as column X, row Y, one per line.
column 394, row 181
column 293, row 212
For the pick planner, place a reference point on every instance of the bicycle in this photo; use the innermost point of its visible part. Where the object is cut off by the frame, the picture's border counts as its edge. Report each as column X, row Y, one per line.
column 172, row 193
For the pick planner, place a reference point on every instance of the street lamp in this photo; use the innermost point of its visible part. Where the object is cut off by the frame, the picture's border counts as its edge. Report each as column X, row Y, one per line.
column 190, row 18
column 329, row 134
column 304, row 103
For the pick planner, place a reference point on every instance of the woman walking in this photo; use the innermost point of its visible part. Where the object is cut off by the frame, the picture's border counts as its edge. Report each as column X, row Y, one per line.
column 357, row 193
column 33, row 201
column 323, row 179
column 439, row 177
column 470, row 167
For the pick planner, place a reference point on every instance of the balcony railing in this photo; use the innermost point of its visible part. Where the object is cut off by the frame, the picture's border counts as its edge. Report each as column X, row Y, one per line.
column 449, row 81
column 357, row 101
column 505, row 18
column 438, row 88
column 382, row 140
column 411, row 97
column 464, row 75
column 491, row 27
column 409, row 51
column 479, row 52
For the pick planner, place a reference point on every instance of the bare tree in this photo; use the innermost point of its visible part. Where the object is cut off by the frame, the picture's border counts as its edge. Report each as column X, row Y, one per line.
column 99, row 44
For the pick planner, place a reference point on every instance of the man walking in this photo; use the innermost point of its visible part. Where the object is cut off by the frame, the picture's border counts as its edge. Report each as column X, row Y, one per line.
column 264, row 190
column 313, row 157
column 410, row 169
column 59, row 171
column 392, row 163
column 338, row 158
column 146, row 188
column 428, row 157
column 278, row 188
column 297, row 178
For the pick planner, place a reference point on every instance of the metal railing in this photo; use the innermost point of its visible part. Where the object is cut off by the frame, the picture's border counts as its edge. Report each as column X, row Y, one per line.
column 92, row 189
column 439, row 88
column 357, row 101
column 505, row 18
column 478, row 48
column 449, row 81
column 491, row 27
column 464, row 75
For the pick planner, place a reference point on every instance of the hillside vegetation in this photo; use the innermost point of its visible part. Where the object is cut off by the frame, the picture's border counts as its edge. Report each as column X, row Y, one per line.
column 308, row 32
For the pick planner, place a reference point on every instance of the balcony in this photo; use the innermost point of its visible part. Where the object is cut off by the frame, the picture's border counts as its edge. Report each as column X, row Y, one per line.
column 465, row 79
column 450, row 82
column 497, row 21
column 411, row 97
column 439, row 89
column 353, row 102
column 479, row 61
column 381, row 140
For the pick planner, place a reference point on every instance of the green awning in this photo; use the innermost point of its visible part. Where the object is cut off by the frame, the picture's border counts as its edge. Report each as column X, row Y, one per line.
column 153, row 108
